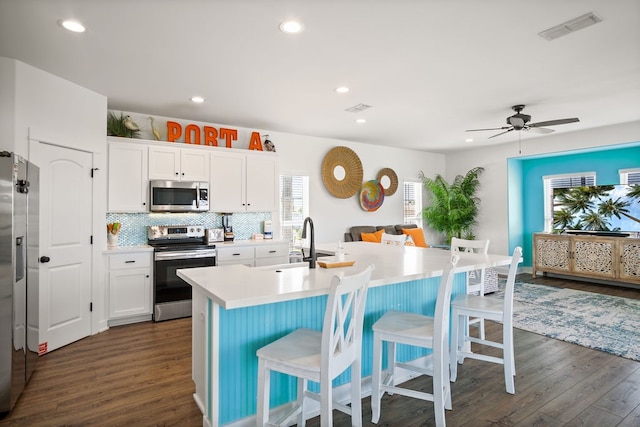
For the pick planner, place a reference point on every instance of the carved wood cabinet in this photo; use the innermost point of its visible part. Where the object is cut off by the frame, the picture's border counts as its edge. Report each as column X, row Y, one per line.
column 597, row 257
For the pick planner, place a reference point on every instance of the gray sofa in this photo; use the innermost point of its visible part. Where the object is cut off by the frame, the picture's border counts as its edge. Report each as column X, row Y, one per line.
column 353, row 235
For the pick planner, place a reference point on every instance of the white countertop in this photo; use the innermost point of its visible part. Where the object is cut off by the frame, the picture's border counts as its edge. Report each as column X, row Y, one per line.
column 249, row 242
column 237, row 286
column 127, row 249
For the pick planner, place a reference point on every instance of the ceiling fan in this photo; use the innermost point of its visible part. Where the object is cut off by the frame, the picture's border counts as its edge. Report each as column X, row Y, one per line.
column 520, row 121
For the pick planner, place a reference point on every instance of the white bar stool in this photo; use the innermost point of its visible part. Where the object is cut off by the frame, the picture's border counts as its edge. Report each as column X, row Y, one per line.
column 320, row 356
column 396, row 327
column 491, row 308
column 476, row 278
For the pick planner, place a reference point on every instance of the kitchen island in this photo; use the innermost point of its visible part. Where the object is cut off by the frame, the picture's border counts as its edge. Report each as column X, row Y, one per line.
column 238, row 309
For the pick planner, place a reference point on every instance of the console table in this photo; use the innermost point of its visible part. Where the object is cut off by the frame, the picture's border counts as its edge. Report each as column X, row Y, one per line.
column 597, row 257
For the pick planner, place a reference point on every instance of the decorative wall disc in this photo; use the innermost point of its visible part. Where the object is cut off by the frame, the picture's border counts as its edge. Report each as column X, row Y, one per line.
column 350, row 162
column 393, row 178
column 371, row 195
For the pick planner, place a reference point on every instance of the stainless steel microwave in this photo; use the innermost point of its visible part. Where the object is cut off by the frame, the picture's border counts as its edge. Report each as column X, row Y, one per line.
column 179, row 196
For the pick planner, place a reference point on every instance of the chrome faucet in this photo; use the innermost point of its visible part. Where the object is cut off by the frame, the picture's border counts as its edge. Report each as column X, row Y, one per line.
column 312, row 246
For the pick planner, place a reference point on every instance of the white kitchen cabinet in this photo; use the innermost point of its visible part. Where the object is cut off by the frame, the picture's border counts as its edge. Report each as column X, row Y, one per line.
column 229, row 255
column 243, row 182
column 130, row 289
column 178, row 164
column 271, row 254
column 127, row 183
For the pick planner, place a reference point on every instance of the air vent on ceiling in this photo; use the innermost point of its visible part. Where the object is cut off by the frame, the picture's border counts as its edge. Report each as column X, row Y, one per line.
column 357, row 108
column 571, row 26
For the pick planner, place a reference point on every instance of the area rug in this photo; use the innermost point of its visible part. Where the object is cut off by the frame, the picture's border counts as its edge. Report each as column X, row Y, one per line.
column 597, row 321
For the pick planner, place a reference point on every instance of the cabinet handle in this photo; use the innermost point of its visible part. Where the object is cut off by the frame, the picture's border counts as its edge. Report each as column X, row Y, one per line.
column 272, row 252
column 236, row 254
column 144, row 204
column 147, row 276
column 129, row 262
column 176, row 173
column 182, row 173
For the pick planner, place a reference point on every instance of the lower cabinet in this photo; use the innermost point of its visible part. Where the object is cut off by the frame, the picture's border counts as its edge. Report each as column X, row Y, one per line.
column 596, row 257
column 236, row 255
column 254, row 254
column 272, row 254
column 130, row 287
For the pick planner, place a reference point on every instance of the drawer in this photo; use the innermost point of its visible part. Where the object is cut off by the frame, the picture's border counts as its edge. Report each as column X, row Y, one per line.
column 130, row 260
column 272, row 251
column 238, row 253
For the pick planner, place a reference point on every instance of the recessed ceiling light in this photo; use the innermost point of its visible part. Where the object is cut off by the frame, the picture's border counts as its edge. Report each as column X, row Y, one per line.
column 197, row 99
column 342, row 89
column 291, row 27
column 73, row 25
column 361, row 121
column 468, row 140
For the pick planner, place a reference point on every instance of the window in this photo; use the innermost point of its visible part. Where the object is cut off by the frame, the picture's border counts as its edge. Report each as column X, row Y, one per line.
column 629, row 176
column 294, row 207
column 412, row 203
column 562, row 181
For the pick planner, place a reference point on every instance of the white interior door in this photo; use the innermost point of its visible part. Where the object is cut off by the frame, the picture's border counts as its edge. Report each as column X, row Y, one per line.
column 65, row 232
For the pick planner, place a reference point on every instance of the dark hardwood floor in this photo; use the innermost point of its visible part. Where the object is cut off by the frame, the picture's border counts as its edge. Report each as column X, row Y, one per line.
column 140, row 375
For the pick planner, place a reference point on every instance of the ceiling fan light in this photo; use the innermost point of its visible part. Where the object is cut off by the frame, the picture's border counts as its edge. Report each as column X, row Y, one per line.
column 516, row 122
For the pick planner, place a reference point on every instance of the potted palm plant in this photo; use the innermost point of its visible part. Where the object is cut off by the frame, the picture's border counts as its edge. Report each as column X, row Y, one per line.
column 454, row 207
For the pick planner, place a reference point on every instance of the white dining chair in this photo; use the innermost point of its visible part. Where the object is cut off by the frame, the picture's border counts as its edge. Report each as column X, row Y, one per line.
column 396, row 327
column 320, row 356
column 476, row 278
column 491, row 308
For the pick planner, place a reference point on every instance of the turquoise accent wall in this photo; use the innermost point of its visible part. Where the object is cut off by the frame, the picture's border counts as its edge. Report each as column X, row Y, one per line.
column 526, row 190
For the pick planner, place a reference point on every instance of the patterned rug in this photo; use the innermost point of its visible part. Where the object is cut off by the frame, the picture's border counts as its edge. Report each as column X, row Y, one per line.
column 597, row 321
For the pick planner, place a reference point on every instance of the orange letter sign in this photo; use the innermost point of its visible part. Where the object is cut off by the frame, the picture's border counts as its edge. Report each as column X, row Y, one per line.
column 210, row 136
column 174, row 131
column 192, row 129
column 229, row 135
column 255, row 143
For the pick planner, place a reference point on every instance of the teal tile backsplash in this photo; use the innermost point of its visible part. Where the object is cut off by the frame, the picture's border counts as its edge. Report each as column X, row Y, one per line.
column 134, row 226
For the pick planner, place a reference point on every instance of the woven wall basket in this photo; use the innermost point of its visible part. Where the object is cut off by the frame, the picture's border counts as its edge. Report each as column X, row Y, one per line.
column 393, row 178
column 349, row 160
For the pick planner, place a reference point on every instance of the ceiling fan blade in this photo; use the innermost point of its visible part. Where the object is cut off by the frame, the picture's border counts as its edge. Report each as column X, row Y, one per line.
column 475, row 130
column 501, row 133
column 539, row 130
column 554, row 122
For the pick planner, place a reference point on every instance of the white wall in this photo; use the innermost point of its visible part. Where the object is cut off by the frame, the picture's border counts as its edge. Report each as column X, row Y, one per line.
column 7, row 102
column 493, row 217
column 303, row 155
column 51, row 109
column 332, row 216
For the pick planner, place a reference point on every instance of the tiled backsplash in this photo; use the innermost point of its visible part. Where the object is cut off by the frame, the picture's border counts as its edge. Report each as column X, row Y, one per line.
column 134, row 226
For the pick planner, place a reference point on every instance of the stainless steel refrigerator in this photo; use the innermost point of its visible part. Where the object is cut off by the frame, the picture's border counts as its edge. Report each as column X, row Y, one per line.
column 19, row 218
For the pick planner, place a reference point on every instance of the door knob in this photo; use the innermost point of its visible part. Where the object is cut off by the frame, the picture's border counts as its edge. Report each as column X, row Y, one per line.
column 44, row 259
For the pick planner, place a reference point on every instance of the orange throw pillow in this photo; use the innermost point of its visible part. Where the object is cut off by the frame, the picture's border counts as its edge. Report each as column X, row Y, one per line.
column 372, row 237
column 417, row 235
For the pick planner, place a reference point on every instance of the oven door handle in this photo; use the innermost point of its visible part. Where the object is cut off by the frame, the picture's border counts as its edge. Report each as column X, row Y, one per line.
column 184, row 255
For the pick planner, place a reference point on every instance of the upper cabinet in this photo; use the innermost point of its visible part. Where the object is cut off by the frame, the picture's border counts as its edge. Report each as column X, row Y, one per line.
column 243, row 182
column 239, row 181
column 127, row 178
column 178, row 164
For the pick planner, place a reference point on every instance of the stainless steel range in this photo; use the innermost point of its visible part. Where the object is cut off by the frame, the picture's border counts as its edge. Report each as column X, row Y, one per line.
column 175, row 247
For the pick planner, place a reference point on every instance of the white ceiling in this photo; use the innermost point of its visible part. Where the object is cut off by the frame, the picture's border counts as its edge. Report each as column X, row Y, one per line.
column 429, row 69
